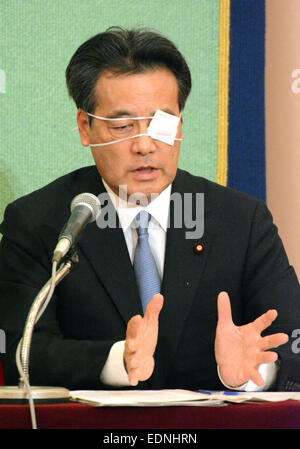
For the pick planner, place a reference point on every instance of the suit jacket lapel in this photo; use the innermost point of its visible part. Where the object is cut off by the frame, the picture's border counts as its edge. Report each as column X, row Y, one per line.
column 107, row 252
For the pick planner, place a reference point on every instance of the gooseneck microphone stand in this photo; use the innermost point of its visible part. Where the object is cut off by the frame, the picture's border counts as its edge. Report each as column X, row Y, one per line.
column 24, row 391
column 85, row 208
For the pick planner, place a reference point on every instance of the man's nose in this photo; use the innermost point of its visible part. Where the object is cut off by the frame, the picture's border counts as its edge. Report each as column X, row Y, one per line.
column 143, row 145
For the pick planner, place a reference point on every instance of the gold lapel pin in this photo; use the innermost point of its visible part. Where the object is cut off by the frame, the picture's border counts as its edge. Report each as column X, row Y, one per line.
column 199, row 247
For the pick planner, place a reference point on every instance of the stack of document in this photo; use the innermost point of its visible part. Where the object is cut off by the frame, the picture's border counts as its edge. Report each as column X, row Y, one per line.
column 158, row 398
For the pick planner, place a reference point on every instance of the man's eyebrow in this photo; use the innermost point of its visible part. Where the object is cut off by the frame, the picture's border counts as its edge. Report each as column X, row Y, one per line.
column 121, row 113
column 167, row 110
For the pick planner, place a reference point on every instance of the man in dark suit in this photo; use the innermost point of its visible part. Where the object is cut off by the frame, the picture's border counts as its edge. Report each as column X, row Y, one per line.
column 219, row 292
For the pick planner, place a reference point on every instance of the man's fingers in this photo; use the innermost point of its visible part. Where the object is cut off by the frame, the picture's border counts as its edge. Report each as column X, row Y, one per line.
column 273, row 341
column 256, row 377
column 133, row 377
column 266, row 357
column 140, row 372
column 224, row 309
column 132, row 363
column 265, row 320
column 139, row 347
column 133, row 326
column 154, row 307
column 132, row 331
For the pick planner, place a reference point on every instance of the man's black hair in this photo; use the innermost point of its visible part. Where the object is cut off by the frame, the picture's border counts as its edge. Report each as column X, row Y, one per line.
column 123, row 51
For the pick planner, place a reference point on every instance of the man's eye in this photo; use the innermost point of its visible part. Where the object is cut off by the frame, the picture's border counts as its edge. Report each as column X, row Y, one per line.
column 123, row 128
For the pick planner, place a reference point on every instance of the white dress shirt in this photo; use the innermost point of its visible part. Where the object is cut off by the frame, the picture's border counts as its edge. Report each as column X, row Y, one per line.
column 114, row 372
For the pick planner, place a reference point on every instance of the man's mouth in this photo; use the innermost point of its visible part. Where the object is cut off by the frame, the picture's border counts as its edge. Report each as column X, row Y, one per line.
column 147, row 169
column 145, row 173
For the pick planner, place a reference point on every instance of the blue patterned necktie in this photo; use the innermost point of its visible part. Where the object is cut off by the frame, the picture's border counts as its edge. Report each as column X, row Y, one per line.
column 145, row 268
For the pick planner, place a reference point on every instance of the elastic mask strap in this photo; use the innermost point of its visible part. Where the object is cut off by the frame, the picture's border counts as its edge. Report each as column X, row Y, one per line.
column 117, row 141
column 155, row 129
column 157, row 137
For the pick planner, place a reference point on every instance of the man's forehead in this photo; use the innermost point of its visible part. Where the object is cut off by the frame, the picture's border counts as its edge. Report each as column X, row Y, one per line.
column 132, row 94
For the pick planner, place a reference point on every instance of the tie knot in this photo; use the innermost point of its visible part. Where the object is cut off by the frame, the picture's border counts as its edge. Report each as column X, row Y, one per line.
column 142, row 221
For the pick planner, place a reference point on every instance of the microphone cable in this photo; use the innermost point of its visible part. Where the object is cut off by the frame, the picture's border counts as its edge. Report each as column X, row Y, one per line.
column 18, row 351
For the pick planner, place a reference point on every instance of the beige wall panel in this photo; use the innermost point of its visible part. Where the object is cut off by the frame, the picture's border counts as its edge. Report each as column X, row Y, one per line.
column 283, row 121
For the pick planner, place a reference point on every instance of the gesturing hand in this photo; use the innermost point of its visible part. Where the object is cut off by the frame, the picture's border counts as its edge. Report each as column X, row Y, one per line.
column 141, row 340
column 239, row 350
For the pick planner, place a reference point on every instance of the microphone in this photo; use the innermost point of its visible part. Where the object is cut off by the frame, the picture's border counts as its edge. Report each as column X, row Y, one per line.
column 84, row 209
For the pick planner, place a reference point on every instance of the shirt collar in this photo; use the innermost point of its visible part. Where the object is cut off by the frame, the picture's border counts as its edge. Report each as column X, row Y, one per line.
column 158, row 208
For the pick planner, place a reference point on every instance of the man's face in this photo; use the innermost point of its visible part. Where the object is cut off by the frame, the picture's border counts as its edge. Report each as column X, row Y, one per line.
column 143, row 164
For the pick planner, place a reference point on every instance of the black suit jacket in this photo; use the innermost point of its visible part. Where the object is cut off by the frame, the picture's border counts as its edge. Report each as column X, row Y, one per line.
column 91, row 307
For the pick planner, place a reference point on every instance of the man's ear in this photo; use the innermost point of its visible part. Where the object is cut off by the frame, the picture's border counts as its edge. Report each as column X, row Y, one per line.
column 83, row 127
column 179, row 129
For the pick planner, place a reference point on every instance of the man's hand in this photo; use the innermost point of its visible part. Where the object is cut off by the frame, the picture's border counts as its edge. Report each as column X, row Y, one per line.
column 239, row 350
column 141, row 340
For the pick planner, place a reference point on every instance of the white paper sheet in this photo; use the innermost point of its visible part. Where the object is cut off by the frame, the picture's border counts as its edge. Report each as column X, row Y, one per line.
column 137, row 397
column 156, row 398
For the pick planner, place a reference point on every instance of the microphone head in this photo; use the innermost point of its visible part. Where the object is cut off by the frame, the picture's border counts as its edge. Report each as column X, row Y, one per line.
column 89, row 200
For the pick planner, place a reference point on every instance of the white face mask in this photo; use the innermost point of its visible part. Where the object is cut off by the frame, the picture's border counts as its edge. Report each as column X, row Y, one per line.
column 163, row 127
